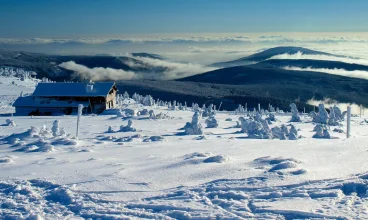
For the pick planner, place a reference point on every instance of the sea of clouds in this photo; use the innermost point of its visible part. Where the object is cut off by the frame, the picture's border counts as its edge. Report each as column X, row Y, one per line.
column 189, row 54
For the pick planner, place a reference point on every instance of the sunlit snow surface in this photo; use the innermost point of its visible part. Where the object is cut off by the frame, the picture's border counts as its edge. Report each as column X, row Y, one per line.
column 221, row 174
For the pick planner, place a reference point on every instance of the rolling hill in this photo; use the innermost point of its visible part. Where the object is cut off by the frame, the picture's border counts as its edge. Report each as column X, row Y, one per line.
column 266, row 54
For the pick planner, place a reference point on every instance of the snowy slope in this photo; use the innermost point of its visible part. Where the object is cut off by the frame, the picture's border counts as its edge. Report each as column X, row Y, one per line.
column 10, row 89
column 110, row 177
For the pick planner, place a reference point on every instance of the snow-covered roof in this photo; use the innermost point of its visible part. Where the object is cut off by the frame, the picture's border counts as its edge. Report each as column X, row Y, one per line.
column 29, row 101
column 73, row 89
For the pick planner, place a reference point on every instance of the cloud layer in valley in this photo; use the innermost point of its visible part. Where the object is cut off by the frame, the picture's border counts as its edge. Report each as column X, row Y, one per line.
column 172, row 69
column 341, row 72
column 98, row 73
column 300, row 55
column 158, row 69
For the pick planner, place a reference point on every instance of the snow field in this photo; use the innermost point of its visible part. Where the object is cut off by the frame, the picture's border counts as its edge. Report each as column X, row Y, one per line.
column 156, row 172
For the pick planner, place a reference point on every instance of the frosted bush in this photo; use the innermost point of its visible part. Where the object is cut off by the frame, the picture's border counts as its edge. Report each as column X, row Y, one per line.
column 283, row 133
column 131, row 112
column 271, row 118
column 55, row 128
column 143, row 112
column 126, row 95
column 128, row 128
column 120, row 113
column 194, row 128
column 294, row 111
column 110, row 130
column 62, row 132
column 321, row 116
column 10, row 122
column 212, row 122
column 148, row 101
column 256, row 128
column 45, row 132
column 321, row 132
column 207, row 112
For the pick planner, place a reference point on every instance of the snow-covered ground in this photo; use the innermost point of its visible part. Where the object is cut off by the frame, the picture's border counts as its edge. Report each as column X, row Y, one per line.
column 220, row 174
column 10, row 88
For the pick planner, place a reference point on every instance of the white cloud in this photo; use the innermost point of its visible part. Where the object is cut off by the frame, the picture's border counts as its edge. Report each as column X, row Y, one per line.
column 172, row 69
column 341, row 72
column 98, row 73
column 328, row 102
column 227, row 38
column 300, row 55
column 166, row 70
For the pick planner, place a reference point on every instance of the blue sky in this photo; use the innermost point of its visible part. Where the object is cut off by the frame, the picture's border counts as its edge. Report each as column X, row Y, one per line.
column 92, row 18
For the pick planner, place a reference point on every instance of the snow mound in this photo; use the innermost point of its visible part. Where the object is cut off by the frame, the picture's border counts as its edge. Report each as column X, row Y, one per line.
column 65, row 141
column 6, row 159
column 284, row 165
column 217, row 159
column 280, row 165
column 153, row 139
column 197, row 154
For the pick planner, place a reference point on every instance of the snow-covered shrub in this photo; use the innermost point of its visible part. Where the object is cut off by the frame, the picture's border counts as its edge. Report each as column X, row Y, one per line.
column 194, row 128
column 212, row 122
column 45, row 132
column 62, row 132
column 143, row 112
column 148, row 101
column 55, row 128
column 126, row 95
column 321, row 116
column 294, row 111
column 152, row 114
column 321, row 132
column 256, row 128
column 271, row 118
column 128, row 128
column 120, row 113
column 207, row 112
column 10, row 122
column 131, row 112
column 283, row 133
column 333, row 119
column 110, row 130
column 162, row 116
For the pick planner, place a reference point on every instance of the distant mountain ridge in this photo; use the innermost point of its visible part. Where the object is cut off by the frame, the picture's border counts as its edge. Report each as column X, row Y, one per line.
column 266, row 54
column 48, row 65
